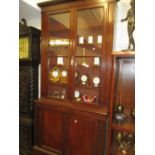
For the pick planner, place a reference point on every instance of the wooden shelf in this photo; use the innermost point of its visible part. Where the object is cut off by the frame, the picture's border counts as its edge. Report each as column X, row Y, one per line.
column 123, row 53
column 58, row 84
column 125, row 127
column 86, row 87
column 88, row 56
column 56, row 56
column 91, row 66
column 115, row 151
column 98, row 47
column 86, row 103
column 57, row 98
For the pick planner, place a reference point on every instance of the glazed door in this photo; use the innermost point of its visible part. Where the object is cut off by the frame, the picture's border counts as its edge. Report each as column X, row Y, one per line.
column 58, row 55
column 82, row 136
column 89, row 55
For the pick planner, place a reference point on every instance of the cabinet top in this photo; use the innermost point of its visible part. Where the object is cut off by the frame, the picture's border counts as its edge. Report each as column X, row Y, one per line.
column 54, row 2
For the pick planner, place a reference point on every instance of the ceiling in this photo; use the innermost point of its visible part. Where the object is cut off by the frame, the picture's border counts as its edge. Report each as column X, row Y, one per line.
column 34, row 3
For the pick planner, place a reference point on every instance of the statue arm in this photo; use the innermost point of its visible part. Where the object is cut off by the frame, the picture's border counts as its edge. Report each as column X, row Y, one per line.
column 125, row 18
column 122, row 20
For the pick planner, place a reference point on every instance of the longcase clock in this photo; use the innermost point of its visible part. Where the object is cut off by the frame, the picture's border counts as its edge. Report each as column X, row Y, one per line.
column 29, row 59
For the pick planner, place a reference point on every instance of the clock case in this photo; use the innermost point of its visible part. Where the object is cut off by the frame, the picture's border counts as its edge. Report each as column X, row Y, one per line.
column 28, row 87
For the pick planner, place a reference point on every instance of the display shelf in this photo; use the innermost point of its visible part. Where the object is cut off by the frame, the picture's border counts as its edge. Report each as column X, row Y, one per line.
column 122, row 98
column 57, row 98
column 56, row 56
column 87, row 56
column 123, row 53
column 60, row 52
column 126, row 127
column 114, row 150
column 86, row 103
column 58, row 84
column 91, row 67
column 80, row 86
column 91, row 47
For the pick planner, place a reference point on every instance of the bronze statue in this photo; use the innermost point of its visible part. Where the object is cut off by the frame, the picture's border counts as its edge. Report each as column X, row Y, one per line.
column 131, row 24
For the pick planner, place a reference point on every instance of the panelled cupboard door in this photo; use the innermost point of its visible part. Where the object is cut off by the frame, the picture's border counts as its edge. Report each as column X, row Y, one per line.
column 52, row 130
column 82, row 136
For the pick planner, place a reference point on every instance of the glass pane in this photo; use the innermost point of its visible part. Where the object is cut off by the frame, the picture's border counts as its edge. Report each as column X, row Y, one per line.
column 59, row 34
column 87, row 80
column 88, row 55
column 24, row 48
column 58, row 55
column 57, row 91
column 89, row 31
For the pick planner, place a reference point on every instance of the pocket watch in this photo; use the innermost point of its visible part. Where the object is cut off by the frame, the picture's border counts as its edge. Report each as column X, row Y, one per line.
column 64, row 76
column 77, row 95
column 64, row 94
column 84, row 79
column 96, row 81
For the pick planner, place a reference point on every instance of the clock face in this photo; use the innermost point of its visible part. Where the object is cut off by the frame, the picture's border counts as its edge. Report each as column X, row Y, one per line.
column 24, row 48
column 64, row 73
column 84, row 78
column 55, row 73
column 76, row 94
column 64, row 76
column 96, row 81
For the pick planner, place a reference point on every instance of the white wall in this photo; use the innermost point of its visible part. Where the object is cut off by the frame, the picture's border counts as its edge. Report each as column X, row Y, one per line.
column 120, row 29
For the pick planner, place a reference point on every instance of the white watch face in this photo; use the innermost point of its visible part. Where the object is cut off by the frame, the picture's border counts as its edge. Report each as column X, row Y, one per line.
column 76, row 94
column 96, row 80
column 84, row 78
column 64, row 73
column 55, row 73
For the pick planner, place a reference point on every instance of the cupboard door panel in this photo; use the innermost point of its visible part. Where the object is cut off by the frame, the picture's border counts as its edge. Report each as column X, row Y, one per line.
column 82, row 136
column 52, row 125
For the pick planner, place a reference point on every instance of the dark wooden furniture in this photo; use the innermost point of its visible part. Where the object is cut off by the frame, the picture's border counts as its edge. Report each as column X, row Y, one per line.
column 122, row 93
column 71, row 116
column 29, row 58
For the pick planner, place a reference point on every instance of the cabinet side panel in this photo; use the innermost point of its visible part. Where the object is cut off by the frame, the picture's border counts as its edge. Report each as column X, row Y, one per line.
column 125, row 89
